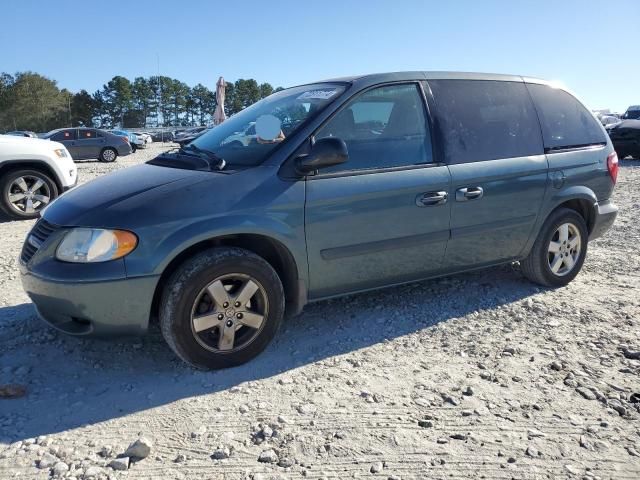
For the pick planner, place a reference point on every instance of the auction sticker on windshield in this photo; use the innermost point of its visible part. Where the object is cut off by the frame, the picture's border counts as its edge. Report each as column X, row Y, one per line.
column 318, row 94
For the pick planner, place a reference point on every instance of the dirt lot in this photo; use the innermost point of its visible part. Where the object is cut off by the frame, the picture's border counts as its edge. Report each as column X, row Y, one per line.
column 477, row 376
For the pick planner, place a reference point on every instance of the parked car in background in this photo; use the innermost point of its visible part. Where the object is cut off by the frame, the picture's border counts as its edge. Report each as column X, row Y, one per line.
column 625, row 136
column 632, row 113
column 187, row 139
column 135, row 140
column 162, row 136
column 349, row 187
column 33, row 172
column 146, row 137
column 186, row 133
column 87, row 143
column 243, row 137
column 607, row 120
column 23, row 133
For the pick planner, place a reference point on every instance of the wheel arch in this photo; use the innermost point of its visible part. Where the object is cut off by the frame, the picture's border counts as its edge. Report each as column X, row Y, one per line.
column 578, row 198
column 12, row 165
column 269, row 248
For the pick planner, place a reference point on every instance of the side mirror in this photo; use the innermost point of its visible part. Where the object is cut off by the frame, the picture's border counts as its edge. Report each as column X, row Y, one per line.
column 326, row 152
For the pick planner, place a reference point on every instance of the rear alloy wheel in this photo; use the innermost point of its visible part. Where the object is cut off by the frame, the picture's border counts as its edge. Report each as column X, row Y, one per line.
column 26, row 192
column 221, row 308
column 108, row 155
column 559, row 251
column 564, row 249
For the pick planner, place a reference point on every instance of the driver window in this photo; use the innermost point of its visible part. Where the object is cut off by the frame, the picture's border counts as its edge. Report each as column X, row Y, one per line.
column 383, row 127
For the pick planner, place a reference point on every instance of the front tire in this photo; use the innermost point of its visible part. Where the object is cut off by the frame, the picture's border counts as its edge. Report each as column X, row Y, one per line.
column 559, row 251
column 108, row 155
column 24, row 193
column 221, row 308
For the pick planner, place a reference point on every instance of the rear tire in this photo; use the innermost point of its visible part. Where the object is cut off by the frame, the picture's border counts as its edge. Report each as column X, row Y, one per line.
column 559, row 251
column 108, row 155
column 24, row 193
column 221, row 308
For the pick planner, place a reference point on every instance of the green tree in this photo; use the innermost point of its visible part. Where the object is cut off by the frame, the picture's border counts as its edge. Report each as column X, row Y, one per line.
column 178, row 92
column 83, row 109
column 117, row 96
column 144, row 99
column 204, row 103
column 30, row 102
column 6, row 81
column 265, row 90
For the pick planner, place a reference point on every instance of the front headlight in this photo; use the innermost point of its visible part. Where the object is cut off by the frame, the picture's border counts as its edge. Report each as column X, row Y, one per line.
column 61, row 152
column 85, row 245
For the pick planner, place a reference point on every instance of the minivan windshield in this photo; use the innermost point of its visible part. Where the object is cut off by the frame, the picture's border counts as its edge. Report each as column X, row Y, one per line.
column 249, row 136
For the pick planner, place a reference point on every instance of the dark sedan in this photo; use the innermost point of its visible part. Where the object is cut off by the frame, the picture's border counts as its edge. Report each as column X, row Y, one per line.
column 626, row 138
column 187, row 139
column 89, row 143
column 188, row 134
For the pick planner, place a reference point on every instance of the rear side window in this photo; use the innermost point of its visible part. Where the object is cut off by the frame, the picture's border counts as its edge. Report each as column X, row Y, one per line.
column 486, row 120
column 86, row 134
column 565, row 122
column 64, row 135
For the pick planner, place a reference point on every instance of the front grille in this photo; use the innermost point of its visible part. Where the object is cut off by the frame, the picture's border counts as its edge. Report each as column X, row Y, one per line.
column 40, row 232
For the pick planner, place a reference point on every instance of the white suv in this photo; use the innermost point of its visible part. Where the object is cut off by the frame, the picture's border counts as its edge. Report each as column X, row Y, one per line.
column 32, row 173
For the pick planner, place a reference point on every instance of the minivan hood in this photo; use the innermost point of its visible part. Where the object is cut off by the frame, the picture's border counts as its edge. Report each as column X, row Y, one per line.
column 146, row 196
column 83, row 205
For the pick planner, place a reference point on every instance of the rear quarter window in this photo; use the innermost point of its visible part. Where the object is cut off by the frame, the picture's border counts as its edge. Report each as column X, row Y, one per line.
column 565, row 122
column 485, row 120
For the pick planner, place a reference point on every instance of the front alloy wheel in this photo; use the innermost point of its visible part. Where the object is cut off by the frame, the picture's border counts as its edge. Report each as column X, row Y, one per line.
column 221, row 307
column 229, row 313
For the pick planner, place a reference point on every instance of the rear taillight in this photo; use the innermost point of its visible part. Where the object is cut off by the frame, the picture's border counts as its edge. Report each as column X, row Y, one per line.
column 612, row 166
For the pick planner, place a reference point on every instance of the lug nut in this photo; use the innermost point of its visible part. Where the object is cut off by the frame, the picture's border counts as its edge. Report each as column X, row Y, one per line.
column 239, row 315
column 225, row 304
column 229, row 323
column 220, row 316
column 237, row 304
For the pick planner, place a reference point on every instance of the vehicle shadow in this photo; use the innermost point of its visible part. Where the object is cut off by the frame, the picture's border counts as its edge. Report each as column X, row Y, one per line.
column 72, row 382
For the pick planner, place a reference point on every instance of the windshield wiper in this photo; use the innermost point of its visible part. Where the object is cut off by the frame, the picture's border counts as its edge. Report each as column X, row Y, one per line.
column 201, row 152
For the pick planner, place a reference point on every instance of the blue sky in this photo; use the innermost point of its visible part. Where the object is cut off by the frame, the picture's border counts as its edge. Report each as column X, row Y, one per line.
column 590, row 45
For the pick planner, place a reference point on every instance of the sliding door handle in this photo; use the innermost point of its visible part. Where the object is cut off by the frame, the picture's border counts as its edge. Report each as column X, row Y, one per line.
column 469, row 193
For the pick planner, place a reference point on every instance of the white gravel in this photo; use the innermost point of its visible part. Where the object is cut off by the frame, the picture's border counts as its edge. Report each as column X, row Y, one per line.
column 477, row 376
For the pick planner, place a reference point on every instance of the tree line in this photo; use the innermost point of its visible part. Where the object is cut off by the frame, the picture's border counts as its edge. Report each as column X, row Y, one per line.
column 30, row 101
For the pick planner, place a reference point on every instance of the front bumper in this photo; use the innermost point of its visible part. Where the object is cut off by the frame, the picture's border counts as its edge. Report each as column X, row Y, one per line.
column 605, row 215
column 96, row 308
column 83, row 298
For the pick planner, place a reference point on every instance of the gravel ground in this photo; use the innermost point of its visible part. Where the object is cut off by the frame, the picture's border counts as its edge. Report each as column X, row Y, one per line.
column 477, row 376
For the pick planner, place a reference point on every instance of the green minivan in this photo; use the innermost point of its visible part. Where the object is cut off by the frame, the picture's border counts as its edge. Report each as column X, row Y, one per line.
column 343, row 186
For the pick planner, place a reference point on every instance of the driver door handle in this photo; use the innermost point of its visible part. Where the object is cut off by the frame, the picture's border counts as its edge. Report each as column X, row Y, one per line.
column 430, row 199
column 469, row 193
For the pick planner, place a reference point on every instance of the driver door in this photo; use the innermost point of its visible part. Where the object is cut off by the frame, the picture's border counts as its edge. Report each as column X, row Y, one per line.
column 383, row 216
